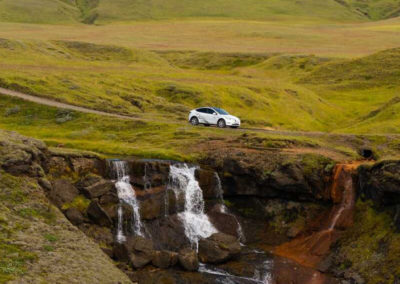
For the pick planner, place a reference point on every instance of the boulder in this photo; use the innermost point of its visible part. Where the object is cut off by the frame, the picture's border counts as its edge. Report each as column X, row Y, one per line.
column 168, row 233
column 99, row 189
column 88, row 180
column 218, row 248
column 142, row 253
column 224, row 222
column 62, row 191
column 74, row 216
column 98, row 215
column 164, row 259
column 209, row 183
column 188, row 259
column 136, row 250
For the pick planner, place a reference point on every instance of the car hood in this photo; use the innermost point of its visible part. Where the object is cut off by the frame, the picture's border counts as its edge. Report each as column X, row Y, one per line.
column 231, row 117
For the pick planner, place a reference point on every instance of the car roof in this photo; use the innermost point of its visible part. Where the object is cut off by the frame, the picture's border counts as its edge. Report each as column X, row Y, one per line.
column 206, row 107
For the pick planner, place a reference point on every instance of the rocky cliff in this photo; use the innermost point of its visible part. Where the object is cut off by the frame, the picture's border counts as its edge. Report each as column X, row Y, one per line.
column 61, row 214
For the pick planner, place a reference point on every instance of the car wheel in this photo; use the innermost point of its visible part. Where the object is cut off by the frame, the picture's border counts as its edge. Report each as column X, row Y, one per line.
column 221, row 123
column 194, row 121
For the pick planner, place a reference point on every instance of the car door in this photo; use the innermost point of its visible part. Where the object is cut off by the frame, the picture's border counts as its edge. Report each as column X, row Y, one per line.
column 212, row 116
column 209, row 116
column 202, row 115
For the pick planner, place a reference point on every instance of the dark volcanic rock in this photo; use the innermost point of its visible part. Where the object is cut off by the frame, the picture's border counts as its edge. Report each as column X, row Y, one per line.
column 218, row 248
column 149, row 173
column 381, row 182
column 62, row 191
column 164, row 259
column 188, row 259
column 98, row 215
column 276, row 175
column 74, row 216
column 208, row 183
column 168, row 233
column 224, row 222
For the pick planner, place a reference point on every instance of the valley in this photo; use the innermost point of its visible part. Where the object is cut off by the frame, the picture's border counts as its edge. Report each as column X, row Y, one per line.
column 103, row 180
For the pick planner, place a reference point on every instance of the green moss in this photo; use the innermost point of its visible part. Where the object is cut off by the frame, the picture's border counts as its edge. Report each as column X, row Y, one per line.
column 371, row 246
column 80, row 202
column 312, row 163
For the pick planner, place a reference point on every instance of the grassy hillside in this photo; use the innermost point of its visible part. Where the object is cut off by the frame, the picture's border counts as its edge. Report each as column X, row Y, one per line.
column 90, row 11
column 37, row 11
column 374, row 9
column 143, row 83
column 111, row 10
column 297, row 36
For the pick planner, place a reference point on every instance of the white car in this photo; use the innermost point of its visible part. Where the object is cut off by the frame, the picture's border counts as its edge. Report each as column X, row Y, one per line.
column 213, row 116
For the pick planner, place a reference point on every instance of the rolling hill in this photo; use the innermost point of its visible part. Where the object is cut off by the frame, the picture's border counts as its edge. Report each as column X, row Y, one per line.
column 103, row 11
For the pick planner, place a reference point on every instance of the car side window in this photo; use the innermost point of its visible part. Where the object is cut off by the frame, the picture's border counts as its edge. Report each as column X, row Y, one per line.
column 202, row 110
column 210, row 111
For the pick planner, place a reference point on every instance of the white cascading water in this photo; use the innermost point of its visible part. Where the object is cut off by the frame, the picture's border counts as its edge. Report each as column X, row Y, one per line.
column 224, row 209
column 196, row 223
column 126, row 194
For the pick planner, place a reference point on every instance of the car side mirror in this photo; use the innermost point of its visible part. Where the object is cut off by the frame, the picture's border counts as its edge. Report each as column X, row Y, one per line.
column 215, row 113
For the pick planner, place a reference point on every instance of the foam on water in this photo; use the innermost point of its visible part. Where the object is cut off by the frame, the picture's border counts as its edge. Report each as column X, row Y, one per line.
column 126, row 195
column 184, row 184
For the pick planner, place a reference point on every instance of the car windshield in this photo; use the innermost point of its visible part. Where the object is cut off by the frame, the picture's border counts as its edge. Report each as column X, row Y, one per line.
column 221, row 111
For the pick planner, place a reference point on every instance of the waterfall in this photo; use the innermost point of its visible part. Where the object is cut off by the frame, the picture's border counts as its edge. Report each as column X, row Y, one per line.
column 196, row 223
column 126, row 195
column 224, row 209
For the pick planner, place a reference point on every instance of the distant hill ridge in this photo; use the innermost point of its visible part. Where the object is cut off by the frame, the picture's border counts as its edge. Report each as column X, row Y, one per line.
column 103, row 11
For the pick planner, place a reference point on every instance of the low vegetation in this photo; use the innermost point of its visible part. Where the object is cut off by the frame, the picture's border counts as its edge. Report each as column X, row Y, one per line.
column 371, row 246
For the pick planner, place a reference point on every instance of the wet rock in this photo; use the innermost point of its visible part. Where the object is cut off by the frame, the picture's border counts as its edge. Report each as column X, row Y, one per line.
column 188, row 259
column 224, row 222
column 98, row 215
column 218, row 248
column 136, row 250
column 98, row 189
column 152, row 206
column 62, row 191
column 109, row 198
column 74, row 216
column 168, row 233
column 208, row 183
column 149, row 173
column 142, row 253
column 164, row 259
